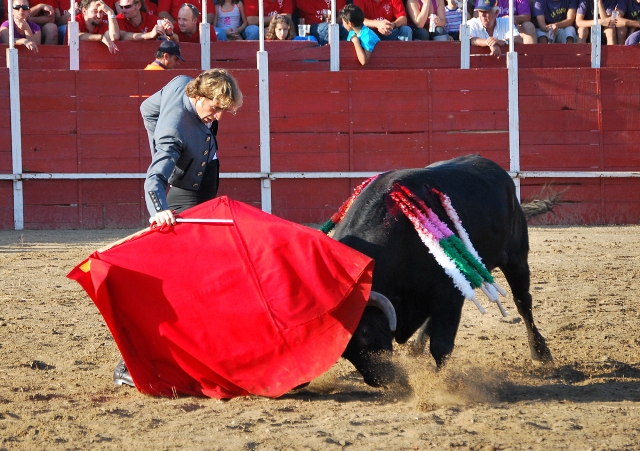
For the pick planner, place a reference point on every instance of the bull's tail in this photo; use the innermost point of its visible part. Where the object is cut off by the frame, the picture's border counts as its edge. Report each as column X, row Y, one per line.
column 538, row 207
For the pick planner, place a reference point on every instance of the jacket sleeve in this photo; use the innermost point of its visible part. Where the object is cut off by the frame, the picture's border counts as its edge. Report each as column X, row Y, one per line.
column 168, row 148
column 150, row 110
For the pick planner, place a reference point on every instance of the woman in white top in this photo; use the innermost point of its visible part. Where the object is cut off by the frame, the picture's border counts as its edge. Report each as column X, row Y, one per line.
column 231, row 19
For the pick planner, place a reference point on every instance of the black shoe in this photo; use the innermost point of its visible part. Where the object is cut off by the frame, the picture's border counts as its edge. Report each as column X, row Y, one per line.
column 121, row 375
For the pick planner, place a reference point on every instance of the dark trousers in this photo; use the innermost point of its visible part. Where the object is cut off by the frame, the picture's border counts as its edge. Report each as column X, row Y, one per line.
column 180, row 199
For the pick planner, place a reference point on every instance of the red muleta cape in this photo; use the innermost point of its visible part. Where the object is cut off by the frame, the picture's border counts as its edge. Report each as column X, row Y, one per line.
column 254, row 307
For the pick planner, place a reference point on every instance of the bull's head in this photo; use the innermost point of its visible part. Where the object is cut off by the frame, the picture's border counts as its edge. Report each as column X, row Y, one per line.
column 370, row 348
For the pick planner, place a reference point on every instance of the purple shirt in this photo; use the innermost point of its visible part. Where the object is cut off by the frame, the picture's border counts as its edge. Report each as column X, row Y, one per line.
column 586, row 7
column 16, row 33
column 554, row 11
column 520, row 6
column 630, row 8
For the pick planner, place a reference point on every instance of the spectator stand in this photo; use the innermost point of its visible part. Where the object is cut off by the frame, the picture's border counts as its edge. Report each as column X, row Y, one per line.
column 337, row 118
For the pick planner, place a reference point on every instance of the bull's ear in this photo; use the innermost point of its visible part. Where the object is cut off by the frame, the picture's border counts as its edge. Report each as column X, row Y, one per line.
column 379, row 300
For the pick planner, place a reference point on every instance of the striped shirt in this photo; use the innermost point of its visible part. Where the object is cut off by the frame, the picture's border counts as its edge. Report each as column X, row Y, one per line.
column 500, row 32
column 454, row 19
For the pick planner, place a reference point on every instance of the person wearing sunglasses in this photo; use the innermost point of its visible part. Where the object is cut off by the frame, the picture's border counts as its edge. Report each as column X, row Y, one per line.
column 138, row 25
column 25, row 32
column 97, row 22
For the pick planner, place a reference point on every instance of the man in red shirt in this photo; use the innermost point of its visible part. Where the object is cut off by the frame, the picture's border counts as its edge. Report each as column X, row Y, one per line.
column 271, row 9
column 311, row 11
column 137, row 25
column 189, row 26
column 168, row 9
column 387, row 18
column 94, row 26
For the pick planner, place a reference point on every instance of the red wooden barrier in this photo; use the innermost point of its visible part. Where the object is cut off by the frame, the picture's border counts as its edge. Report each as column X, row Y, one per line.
column 306, row 56
column 353, row 120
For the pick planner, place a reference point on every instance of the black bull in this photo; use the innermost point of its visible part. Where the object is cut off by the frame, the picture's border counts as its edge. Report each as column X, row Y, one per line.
column 408, row 275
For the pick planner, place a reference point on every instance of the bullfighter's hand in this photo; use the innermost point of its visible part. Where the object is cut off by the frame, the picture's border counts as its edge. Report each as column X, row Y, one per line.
column 163, row 217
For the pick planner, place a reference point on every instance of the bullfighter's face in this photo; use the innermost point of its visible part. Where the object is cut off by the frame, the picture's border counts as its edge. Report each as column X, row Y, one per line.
column 208, row 110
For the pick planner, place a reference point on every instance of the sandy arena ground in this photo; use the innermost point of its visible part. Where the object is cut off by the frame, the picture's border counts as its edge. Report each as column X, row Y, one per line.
column 57, row 358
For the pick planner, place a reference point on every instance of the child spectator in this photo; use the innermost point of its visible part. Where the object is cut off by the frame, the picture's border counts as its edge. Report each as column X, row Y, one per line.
column 271, row 9
column 364, row 40
column 231, row 19
column 25, row 32
column 453, row 16
column 280, row 28
column 555, row 19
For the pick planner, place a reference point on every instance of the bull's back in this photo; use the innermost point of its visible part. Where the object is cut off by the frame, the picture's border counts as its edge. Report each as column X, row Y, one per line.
column 482, row 193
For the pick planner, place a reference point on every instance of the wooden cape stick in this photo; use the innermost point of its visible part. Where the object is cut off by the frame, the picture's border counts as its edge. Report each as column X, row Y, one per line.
column 183, row 220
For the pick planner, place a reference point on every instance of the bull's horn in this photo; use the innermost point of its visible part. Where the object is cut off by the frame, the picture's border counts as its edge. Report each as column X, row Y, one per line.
column 379, row 300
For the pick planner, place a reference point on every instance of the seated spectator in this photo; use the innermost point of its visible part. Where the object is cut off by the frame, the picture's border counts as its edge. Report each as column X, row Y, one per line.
column 387, row 18
column 280, row 29
column 453, row 18
column 44, row 15
column 420, row 12
column 364, row 40
column 489, row 30
column 25, row 32
column 584, row 21
column 629, row 18
column 94, row 26
column 136, row 24
column 311, row 12
column 522, row 19
column 189, row 25
column 167, row 57
column 271, row 9
column 555, row 19
column 230, row 19
column 633, row 39
column 169, row 9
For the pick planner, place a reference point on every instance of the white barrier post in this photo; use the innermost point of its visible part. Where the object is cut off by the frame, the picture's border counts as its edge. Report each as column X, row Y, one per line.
column 514, row 114
column 205, row 39
column 596, row 37
column 73, row 33
column 16, row 137
column 465, row 42
column 265, row 133
column 334, row 41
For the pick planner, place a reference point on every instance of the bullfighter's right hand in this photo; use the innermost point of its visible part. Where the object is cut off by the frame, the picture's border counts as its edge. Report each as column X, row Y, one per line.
column 163, row 217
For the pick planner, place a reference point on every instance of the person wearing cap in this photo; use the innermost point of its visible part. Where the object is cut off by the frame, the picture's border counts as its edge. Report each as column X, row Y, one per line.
column 555, row 20
column 489, row 30
column 167, row 57
column 182, row 122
